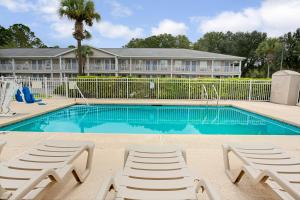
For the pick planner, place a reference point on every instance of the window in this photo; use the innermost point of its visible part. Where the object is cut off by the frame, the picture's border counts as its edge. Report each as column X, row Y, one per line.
column 107, row 64
column 177, row 65
column 154, row 63
column 187, row 66
column 203, row 65
column 164, row 65
column 148, row 65
column 194, row 66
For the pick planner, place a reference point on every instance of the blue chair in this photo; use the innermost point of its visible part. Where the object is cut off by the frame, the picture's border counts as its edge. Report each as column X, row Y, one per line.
column 19, row 97
column 29, row 98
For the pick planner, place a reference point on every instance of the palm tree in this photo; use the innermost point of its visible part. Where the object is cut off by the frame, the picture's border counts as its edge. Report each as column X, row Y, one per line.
column 269, row 49
column 85, row 52
column 81, row 11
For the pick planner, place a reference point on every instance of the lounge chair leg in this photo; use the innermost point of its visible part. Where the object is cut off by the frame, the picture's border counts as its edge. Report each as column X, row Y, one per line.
column 234, row 179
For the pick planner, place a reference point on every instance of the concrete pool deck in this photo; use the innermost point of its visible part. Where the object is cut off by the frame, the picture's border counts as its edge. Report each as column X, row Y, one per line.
column 204, row 152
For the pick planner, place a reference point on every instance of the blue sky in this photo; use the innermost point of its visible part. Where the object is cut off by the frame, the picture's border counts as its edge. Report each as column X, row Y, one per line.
column 124, row 19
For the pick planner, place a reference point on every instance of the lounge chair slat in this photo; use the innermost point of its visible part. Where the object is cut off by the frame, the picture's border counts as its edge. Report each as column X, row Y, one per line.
column 269, row 156
column 261, row 152
column 154, row 148
column 50, row 154
column 155, row 160
column 52, row 149
column 290, row 161
column 66, row 143
column 157, row 174
column 283, row 168
column 127, row 193
column 144, row 166
column 6, row 172
column 47, row 159
column 292, row 177
column 156, row 155
column 33, row 165
column 13, row 184
column 157, row 184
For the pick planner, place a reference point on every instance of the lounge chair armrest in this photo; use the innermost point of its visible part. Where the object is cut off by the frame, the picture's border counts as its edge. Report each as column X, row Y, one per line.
column 106, row 186
column 46, row 173
column 208, row 188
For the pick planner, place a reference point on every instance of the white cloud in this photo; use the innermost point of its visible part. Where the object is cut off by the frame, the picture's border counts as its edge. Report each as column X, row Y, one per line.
column 119, row 10
column 17, row 5
column 109, row 30
column 275, row 17
column 62, row 29
column 171, row 27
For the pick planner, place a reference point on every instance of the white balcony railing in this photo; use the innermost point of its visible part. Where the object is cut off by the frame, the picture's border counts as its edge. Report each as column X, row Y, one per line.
column 135, row 69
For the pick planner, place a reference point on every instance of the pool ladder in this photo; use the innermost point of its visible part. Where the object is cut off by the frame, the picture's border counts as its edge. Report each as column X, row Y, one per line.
column 73, row 85
column 214, row 89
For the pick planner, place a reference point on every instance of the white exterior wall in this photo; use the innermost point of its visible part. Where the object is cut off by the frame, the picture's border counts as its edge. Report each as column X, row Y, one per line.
column 101, row 63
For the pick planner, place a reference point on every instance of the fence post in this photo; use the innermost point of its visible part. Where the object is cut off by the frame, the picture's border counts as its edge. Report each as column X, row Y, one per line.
column 220, row 86
column 250, row 91
column 46, row 87
column 189, row 87
column 67, row 87
column 127, row 88
column 158, row 89
column 97, row 87
column 29, row 82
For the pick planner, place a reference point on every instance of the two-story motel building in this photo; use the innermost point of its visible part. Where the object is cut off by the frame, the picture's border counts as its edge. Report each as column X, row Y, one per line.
column 141, row 62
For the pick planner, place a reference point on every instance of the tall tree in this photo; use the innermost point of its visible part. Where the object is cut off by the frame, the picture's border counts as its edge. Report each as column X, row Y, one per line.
column 85, row 52
column 269, row 50
column 19, row 36
column 5, row 37
column 291, row 53
column 160, row 41
column 81, row 11
column 211, row 42
column 23, row 37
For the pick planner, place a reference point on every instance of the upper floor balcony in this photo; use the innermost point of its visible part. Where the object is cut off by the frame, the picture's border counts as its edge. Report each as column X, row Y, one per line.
column 125, row 66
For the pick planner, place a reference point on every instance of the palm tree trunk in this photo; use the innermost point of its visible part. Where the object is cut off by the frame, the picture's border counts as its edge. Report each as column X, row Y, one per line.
column 79, row 36
column 80, row 68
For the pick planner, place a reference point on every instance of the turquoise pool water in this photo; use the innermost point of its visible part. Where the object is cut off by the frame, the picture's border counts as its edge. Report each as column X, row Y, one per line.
column 141, row 119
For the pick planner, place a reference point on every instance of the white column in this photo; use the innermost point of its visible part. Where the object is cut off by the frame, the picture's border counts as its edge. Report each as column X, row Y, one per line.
column 240, row 69
column 116, row 66
column 88, row 65
column 212, row 68
column 13, row 66
column 171, row 68
column 60, row 67
column 51, row 64
column 130, row 66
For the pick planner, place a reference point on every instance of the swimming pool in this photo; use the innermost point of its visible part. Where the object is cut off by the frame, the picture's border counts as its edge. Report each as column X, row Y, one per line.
column 141, row 119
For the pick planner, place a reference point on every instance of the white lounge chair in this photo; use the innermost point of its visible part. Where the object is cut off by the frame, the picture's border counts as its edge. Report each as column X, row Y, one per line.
column 266, row 164
column 28, row 175
column 7, row 91
column 155, row 173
